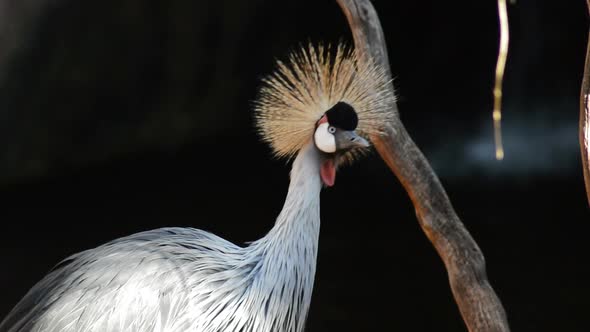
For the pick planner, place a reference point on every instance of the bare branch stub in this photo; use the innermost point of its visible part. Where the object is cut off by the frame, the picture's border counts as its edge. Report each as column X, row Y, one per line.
column 479, row 305
column 584, row 131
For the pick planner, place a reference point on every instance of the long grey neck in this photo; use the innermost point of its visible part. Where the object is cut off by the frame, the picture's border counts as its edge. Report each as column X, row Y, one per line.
column 301, row 211
column 288, row 252
column 297, row 228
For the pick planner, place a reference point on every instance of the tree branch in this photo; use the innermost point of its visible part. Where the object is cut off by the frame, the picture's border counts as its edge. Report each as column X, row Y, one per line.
column 479, row 306
column 584, row 132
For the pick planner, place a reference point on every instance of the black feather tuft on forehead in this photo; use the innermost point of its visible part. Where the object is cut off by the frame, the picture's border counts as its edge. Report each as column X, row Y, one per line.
column 342, row 116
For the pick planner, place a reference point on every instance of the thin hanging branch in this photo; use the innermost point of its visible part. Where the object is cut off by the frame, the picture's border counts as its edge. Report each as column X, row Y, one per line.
column 479, row 306
column 584, row 131
column 500, row 66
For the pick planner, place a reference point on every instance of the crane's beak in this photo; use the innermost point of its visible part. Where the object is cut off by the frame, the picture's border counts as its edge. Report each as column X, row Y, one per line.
column 349, row 139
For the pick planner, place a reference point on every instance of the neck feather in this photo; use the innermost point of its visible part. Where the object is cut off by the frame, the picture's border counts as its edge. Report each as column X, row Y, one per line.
column 301, row 212
column 288, row 252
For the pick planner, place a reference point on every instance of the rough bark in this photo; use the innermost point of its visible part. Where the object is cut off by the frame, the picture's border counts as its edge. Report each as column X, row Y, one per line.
column 584, row 131
column 479, row 305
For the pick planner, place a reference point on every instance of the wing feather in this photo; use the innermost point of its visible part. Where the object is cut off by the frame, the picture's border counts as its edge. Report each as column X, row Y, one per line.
column 136, row 283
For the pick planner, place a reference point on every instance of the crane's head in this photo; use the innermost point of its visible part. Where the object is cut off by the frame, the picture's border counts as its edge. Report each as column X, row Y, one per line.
column 334, row 136
column 328, row 97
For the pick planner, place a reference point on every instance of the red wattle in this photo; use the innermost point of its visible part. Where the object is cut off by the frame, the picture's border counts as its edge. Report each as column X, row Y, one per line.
column 328, row 172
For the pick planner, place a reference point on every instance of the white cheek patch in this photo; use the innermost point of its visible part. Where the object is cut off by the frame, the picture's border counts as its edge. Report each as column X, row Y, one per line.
column 323, row 139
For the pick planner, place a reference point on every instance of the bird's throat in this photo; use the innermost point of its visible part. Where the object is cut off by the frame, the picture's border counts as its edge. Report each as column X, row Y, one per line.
column 328, row 172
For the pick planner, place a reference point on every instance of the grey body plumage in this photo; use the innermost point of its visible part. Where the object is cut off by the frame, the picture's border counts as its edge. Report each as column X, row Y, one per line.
column 184, row 279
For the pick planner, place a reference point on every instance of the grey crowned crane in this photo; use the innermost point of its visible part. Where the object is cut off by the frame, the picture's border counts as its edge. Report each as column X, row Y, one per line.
column 313, row 108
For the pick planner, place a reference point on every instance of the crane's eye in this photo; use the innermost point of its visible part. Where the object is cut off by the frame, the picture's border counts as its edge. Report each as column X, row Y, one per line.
column 324, row 138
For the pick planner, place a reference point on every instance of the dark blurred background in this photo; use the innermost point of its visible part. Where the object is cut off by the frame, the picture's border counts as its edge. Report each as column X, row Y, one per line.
column 122, row 116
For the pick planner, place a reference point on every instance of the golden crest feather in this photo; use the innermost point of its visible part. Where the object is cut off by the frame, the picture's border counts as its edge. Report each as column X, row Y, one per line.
column 296, row 95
